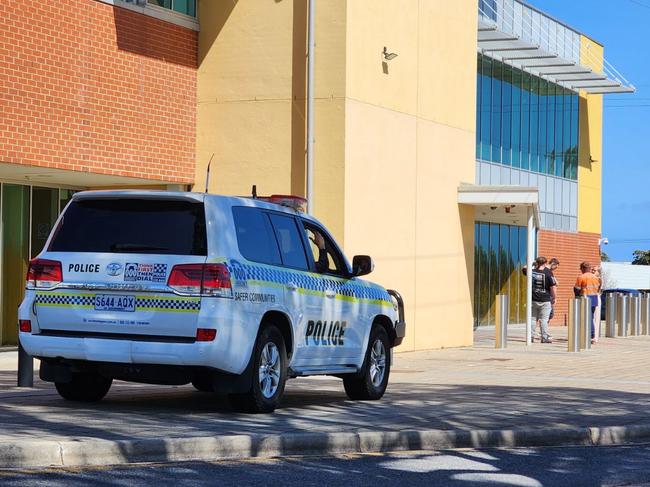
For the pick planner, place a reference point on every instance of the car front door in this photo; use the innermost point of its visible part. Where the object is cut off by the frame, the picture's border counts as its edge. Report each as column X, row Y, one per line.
column 335, row 336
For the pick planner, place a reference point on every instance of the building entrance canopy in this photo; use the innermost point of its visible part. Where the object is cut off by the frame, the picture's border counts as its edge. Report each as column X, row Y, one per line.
column 520, row 35
column 508, row 205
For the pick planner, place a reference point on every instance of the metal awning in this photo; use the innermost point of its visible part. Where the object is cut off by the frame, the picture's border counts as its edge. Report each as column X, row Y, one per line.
column 507, row 205
column 511, row 32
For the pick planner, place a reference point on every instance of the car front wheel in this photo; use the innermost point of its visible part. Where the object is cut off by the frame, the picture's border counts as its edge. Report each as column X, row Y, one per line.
column 371, row 382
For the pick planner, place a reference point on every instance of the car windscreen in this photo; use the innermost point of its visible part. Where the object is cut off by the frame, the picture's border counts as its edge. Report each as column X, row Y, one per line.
column 133, row 226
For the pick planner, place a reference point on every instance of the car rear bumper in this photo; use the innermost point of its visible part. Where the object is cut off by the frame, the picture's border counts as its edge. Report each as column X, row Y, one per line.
column 133, row 351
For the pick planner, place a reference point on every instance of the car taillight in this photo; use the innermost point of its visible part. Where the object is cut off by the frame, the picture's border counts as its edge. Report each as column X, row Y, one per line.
column 205, row 334
column 43, row 274
column 201, row 279
column 25, row 326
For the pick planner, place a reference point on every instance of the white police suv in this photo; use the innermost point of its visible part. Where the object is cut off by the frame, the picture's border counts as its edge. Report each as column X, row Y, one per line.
column 234, row 295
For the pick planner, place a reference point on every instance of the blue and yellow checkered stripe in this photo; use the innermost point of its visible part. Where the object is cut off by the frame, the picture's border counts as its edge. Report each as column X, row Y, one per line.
column 142, row 303
column 309, row 282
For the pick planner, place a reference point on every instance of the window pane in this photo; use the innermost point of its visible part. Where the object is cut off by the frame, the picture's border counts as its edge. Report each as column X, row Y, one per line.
column 479, row 83
column 550, row 130
column 575, row 132
column 566, row 137
column 559, row 130
column 45, row 210
column 161, row 3
column 523, row 236
column 484, row 271
column 255, row 235
column 534, row 123
column 494, row 269
column 289, row 241
column 516, row 118
column 514, row 274
column 504, row 260
column 543, row 100
column 486, row 104
column 65, row 195
column 136, row 226
column 506, row 113
column 497, row 73
column 186, row 7
column 525, row 121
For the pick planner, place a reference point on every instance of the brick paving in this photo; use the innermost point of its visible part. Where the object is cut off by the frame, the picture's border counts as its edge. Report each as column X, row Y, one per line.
column 540, row 386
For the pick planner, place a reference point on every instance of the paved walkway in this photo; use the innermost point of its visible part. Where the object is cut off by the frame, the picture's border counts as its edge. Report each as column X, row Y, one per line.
column 479, row 387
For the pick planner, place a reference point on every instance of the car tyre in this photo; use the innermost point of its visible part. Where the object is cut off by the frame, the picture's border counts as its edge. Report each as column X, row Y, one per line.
column 269, row 374
column 370, row 384
column 84, row 387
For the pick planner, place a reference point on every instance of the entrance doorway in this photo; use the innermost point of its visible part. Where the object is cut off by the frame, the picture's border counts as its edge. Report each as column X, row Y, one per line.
column 27, row 215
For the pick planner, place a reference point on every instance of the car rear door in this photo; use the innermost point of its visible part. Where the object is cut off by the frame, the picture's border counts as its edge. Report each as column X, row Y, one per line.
column 116, row 256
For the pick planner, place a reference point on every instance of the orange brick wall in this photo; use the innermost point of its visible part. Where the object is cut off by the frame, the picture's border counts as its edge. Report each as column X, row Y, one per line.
column 571, row 249
column 86, row 86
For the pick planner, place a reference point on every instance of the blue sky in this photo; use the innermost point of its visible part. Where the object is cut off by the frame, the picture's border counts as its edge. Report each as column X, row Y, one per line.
column 623, row 26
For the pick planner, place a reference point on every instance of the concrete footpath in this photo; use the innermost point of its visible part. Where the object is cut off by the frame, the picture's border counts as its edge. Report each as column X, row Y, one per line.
column 469, row 397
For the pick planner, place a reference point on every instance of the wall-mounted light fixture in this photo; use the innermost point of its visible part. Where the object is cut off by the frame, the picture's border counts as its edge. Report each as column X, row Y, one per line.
column 388, row 56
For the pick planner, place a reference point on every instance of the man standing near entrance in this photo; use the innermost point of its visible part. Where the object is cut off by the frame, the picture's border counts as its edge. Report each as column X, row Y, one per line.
column 544, row 293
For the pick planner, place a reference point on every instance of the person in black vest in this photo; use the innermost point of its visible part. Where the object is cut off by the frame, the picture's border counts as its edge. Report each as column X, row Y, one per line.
column 544, row 294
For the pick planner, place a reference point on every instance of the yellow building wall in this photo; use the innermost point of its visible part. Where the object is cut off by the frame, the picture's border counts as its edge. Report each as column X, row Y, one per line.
column 409, row 143
column 393, row 139
column 251, row 93
column 590, row 157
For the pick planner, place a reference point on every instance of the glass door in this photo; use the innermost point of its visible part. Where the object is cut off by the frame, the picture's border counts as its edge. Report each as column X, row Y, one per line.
column 15, row 256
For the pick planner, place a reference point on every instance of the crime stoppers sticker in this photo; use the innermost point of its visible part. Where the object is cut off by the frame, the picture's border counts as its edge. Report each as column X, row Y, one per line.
column 145, row 272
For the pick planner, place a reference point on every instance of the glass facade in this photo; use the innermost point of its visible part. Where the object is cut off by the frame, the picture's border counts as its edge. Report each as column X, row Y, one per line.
column 28, row 214
column 524, row 121
column 499, row 255
column 187, row 7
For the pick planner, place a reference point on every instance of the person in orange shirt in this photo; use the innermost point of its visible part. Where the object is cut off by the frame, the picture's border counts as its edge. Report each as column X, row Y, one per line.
column 588, row 284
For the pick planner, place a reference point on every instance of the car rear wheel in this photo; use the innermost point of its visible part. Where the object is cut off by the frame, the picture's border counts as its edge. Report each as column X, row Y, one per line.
column 269, row 374
column 84, row 387
column 371, row 382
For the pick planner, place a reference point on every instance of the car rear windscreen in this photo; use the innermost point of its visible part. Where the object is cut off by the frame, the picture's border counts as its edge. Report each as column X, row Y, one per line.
column 132, row 226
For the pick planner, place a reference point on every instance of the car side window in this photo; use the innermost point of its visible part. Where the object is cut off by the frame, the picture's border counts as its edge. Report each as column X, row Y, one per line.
column 289, row 241
column 255, row 236
column 324, row 254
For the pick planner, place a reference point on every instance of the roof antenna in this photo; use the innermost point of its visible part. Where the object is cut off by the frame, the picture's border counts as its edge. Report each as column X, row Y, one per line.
column 254, row 191
column 207, row 176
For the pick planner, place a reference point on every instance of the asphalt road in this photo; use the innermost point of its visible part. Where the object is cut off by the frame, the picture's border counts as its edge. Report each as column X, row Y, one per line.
column 565, row 467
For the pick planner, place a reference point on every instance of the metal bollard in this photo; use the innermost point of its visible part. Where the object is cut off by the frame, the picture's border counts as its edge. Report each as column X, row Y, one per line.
column 610, row 316
column 573, row 338
column 635, row 315
column 645, row 315
column 621, row 314
column 501, row 319
column 585, row 323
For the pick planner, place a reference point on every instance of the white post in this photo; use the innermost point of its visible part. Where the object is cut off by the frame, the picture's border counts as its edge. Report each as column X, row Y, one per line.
column 310, row 109
column 530, row 248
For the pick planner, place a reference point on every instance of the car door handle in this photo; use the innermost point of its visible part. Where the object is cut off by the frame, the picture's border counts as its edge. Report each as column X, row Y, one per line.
column 292, row 287
column 330, row 294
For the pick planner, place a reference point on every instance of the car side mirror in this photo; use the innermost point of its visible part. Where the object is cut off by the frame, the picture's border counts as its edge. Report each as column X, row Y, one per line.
column 362, row 265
